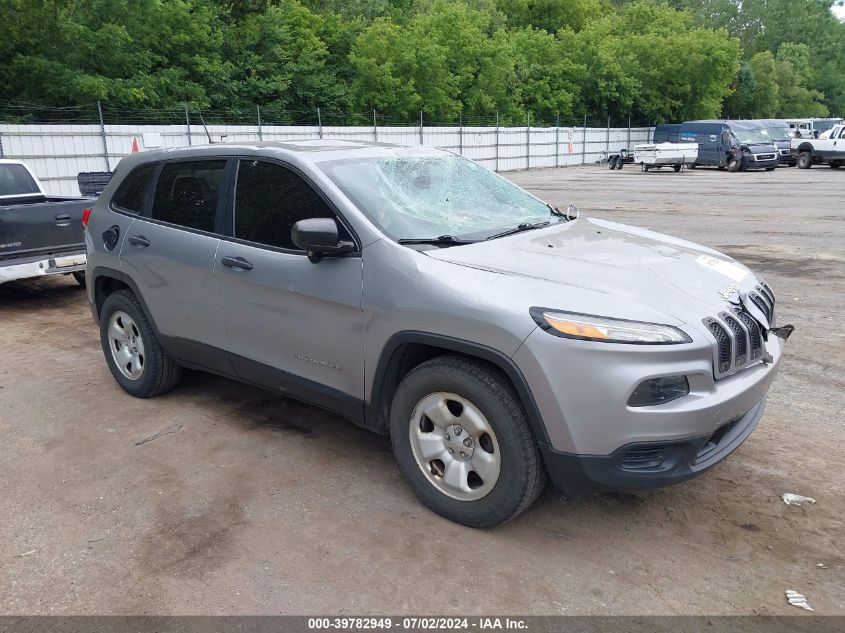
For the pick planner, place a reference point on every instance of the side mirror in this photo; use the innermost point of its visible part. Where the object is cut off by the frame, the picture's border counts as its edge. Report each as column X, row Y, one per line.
column 319, row 237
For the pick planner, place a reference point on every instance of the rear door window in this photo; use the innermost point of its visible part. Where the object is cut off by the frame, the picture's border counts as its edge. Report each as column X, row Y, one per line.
column 15, row 180
column 133, row 192
column 270, row 199
column 188, row 194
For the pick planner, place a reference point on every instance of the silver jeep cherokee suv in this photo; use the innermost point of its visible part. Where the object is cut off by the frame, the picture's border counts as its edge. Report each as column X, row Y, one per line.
column 496, row 339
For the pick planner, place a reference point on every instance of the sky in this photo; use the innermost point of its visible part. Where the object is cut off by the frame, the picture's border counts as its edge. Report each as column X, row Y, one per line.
column 839, row 12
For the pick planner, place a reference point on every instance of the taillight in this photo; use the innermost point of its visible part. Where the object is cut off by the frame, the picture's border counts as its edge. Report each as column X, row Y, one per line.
column 85, row 215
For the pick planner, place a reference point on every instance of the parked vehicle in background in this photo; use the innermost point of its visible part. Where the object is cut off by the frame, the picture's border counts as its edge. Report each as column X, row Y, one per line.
column 657, row 155
column 731, row 145
column 39, row 234
column 781, row 135
column 820, row 151
column 497, row 340
column 619, row 159
column 810, row 128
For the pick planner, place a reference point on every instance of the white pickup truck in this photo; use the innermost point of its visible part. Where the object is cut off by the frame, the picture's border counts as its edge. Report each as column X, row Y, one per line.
column 39, row 234
column 820, row 151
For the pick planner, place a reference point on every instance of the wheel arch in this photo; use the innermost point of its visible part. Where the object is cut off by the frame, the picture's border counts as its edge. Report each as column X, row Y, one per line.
column 805, row 147
column 108, row 281
column 406, row 350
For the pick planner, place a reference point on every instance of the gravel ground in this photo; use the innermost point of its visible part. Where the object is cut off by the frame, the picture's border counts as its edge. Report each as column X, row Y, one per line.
column 249, row 503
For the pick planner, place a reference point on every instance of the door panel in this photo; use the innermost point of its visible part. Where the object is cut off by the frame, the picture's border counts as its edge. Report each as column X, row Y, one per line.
column 290, row 315
column 173, row 266
column 291, row 324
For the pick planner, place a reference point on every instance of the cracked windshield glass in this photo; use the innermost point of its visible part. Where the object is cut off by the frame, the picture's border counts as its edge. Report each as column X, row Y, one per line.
column 434, row 197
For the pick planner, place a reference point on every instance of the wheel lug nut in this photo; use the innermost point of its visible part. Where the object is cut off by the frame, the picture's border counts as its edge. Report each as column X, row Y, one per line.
column 448, row 437
column 451, row 451
column 458, row 431
column 467, row 442
column 463, row 455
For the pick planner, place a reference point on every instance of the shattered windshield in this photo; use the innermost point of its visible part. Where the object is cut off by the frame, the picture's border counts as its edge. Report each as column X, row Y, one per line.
column 779, row 133
column 756, row 136
column 424, row 197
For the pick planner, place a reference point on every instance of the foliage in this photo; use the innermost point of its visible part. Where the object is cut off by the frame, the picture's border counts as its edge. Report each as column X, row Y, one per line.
column 649, row 59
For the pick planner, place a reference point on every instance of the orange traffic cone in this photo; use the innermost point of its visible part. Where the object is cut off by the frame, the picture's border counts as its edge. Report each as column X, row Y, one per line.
column 135, row 149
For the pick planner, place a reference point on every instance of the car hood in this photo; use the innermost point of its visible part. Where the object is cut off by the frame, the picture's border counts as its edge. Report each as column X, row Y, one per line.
column 629, row 267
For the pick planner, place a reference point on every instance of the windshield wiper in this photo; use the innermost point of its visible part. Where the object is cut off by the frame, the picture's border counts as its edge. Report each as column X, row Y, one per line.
column 442, row 240
column 519, row 229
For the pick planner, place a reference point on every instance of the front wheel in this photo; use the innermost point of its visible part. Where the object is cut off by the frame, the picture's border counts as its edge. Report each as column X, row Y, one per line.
column 611, row 163
column 645, row 167
column 805, row 160
column 131, row 348
column 463, row 443
column 734, row 164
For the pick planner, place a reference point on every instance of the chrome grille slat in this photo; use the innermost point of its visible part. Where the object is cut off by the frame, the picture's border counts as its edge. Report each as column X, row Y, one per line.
column 739, row 337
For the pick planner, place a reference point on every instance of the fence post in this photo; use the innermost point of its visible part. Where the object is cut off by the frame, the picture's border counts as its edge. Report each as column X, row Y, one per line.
column 584, row 144
column 2, row 154
column 319, row 124
column 422, row 137
column 629, row 132
column 103, row 135
column 258, row 117
column 461, row 133
column 607, row 141
column 528, row 142
column 375, row 126
column 497, row 140
column 557, row 141
column 188, row 124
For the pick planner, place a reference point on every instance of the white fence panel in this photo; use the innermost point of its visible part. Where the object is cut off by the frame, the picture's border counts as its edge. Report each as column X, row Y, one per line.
column 57, row 153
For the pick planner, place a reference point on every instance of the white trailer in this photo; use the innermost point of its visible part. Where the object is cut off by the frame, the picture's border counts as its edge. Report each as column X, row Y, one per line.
column 657, row 155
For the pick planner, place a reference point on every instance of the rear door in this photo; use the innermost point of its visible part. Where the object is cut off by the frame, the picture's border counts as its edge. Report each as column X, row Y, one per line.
column 169, row 253
column 29, row 224
column 292, row 325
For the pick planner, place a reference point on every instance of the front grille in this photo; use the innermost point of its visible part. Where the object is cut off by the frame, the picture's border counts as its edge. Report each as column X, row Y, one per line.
column 740, row 337
column 644, row 457
column 765, row 156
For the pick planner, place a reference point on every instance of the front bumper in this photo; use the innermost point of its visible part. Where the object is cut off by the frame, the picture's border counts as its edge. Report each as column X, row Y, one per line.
column 648, row 465
column 751, row 161
column 42, row 265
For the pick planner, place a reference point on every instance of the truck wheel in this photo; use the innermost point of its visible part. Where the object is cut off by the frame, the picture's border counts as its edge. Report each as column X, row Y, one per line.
column 645, row 167
column 805, row 160
column 691, row 165
column 770, row 168
column 677, row 168
column 463, row 443
column 132, row 351
column 79, row 275
column 734, row 164
column 835, row 165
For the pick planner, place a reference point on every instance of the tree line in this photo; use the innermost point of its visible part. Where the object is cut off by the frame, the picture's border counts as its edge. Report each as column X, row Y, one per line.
column 651, row 60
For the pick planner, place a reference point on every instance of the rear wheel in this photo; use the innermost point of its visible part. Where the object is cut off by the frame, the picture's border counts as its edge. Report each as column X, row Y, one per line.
column 645, row 167
column 132, row 351
column 835, row 165
column 611, row 163
column 805, row 160
column 463, row 443
column 691, row 165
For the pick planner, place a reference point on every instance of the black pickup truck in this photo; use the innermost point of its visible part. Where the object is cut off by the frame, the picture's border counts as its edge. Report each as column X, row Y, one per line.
column 39, row 234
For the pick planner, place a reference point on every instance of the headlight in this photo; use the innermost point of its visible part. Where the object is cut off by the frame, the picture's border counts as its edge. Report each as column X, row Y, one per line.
column 589, row 327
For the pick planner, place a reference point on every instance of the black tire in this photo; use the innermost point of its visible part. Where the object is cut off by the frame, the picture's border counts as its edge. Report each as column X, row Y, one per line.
column 677, row 168
column 770, row 168
column 611, row 163
column 522, row 475
column 734, row 164
column 691, row 165
column 620, row 163
column 79, row 275
column 646, row 167
column 805, row 160
column 835, row 165
column 160, row 374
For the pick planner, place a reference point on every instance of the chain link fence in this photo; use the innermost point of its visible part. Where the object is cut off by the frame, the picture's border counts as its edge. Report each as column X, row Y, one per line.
column 60, row 143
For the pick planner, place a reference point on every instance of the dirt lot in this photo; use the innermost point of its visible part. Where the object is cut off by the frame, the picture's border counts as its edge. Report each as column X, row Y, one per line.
column 251, row 503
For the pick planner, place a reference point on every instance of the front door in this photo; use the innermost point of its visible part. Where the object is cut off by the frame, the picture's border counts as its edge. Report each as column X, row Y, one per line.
column 170, row 256
column 292, row 325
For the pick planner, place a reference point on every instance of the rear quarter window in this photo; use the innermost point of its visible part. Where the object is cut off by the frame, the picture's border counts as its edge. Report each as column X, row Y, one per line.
column 16, row 181
column 133, row 193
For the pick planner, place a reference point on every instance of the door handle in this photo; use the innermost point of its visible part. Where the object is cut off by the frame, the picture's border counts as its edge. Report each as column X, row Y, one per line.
column 62, row 216
column 139, row 240
column 236, row 262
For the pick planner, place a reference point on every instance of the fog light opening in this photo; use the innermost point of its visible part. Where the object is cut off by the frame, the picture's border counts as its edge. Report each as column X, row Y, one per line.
column 659, row 391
